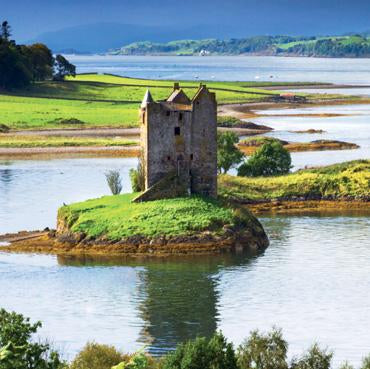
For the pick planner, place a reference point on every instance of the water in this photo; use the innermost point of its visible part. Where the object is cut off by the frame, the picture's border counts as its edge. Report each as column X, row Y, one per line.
column 352, row 127
column 229, row 68
column 313, row 287
column 31, row 191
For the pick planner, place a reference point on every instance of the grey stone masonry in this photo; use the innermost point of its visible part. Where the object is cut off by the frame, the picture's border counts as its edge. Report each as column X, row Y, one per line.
column 180, row 135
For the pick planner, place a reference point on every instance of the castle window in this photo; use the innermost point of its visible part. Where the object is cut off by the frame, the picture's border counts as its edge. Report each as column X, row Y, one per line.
column 168, row 113
column 168, row 157
column 180, row 116
column 177, row 131
column 191, row 156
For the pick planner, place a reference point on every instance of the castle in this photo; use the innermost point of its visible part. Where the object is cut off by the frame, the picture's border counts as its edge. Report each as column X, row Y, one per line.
column 179, row 144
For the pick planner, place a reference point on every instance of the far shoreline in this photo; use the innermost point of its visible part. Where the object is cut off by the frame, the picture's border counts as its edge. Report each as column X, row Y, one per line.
column 239, row 110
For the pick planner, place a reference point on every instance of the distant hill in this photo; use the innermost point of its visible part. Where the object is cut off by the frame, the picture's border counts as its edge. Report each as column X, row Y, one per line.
column 101, row 37
column 332, row 46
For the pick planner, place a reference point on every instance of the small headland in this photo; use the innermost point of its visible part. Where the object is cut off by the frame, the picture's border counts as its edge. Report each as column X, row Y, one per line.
column 250, row 145
column 115, row 225
column 334, row 187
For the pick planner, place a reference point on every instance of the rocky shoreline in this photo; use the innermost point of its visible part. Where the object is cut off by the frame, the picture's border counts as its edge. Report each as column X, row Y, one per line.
column 233, row 240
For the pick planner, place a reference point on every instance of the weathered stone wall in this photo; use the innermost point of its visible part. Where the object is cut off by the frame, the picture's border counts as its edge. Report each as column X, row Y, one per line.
column 181, row 136
column 204, row 140
column 166, row 151
column 168, row 187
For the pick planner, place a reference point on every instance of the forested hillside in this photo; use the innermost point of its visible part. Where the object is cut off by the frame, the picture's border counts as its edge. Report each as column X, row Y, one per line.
column 336, row 46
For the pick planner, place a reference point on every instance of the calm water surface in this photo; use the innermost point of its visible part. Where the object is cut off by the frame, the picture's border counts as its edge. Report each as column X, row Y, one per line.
column 353, row 126
column 230, row 68
column 312, row 281
column 314, row 287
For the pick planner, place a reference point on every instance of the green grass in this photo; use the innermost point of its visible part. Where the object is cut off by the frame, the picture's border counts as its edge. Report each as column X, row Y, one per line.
column 105, row 100
column 116, row 217
column 15, row 141
column 346, row 180
column 32, row 113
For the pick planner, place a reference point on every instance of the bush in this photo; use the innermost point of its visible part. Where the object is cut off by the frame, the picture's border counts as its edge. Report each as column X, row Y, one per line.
column 366, row 363
column 202, row 353
column 136, row 361
column 96, row 356
column 114, row 181
column 269, row 160
column 4, row 128
column 261, row 351
column 315, row 358
column 17, row 351
column 137, row 178
column 228, row 155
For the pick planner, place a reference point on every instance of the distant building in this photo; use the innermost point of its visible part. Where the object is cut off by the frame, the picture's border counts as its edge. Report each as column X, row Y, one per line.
column 179, row 144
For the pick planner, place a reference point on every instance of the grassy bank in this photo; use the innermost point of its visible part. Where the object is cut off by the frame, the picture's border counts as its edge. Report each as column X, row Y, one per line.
column 250, row 145
column 18, row 141
column 116, row 217
column 106, row 101
column 350, row 180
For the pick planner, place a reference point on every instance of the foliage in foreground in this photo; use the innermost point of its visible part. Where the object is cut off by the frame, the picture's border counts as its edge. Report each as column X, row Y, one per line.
column 202, row 353
column 96, row 356
column 345, row 180
column 271, row 159
column 259, row 351
column 18, row 350
column 228, row 155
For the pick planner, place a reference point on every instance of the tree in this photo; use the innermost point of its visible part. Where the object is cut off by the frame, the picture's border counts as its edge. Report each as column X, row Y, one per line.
column 15, row 68
column 63, row 68
column 263, row 351
column 96, row 356
column 269, row 160
column 114, row 181
column 201, row 353
column 228, row 155
column 5, row 32
column 21, row 64
column 42, row 61
column 17, row 351
column 314, row 358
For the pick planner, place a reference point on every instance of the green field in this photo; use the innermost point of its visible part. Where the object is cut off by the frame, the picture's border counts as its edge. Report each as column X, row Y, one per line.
column 23, row 141
column 105, row 100
column 345, row 180
column 116, row 217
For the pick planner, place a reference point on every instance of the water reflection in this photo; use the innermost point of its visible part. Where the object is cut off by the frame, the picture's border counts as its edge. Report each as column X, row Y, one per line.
column 312, row 281
column 179, row 297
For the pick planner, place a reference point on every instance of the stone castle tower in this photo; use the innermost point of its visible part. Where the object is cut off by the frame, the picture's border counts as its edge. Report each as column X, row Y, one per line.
column 179, row 144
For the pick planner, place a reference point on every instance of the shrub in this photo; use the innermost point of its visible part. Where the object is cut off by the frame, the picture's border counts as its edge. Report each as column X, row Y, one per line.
column 114, row 181
column 137, row 361
column 4, row 128
column 269, row 160
column 202, row 353
column 366, row 363
column 96, row 356
column 228, row 155
column 137, row 178
column 315, row 358
column 261, row 351
column 346, row 365
column 17, row 351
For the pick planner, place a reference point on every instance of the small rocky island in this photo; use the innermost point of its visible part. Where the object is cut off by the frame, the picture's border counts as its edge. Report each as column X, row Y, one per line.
column 178, row 211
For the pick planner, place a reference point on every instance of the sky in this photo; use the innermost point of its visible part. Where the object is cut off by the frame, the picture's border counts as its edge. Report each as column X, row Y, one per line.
column 30, row 18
